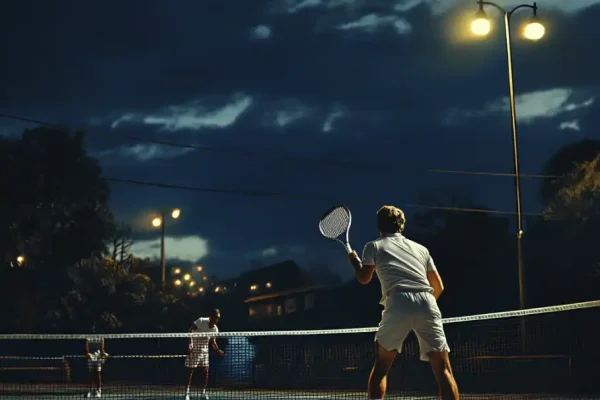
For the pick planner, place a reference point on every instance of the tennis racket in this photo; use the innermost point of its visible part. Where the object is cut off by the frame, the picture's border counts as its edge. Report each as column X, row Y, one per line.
column 335, row 225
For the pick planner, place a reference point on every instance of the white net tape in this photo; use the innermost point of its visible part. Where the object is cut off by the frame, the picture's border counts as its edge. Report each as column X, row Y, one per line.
column 479, row 317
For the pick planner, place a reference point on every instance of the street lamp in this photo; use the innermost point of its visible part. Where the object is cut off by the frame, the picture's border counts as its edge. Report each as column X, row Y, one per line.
column 20, row 260
column 534, row 30
column 159, row 221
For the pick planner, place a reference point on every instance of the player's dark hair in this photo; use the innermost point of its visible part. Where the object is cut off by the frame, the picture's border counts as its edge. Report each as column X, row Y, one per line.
column 390, row 219
column 216, row 311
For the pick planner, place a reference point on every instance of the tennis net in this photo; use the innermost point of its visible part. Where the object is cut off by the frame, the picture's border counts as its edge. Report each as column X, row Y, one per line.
column 548, row 352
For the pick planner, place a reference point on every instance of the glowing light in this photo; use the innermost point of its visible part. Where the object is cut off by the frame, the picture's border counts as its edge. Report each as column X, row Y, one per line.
column 177, row 270
column 201, row 289
column 204, row 278
column 177, row 282
column 268, row 285
column 199, row 268
column 187, row 277
column 21, row 260
column 253, row 287
column 156, row 222
column 481, row 26
column 176, row 213
column 217, row 289
column 192, row 283
column 534, row 31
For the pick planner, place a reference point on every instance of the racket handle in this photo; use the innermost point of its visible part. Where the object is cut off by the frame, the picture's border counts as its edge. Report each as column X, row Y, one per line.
column 348, row 248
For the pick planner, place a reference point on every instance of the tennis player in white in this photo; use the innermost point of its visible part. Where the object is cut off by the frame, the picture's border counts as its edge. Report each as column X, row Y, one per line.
column 198, row 350
column 410, row 286
column 96, row 355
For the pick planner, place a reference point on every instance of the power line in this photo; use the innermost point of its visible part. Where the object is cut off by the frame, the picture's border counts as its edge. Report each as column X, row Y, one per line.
column 285, row 157
column 289, row 196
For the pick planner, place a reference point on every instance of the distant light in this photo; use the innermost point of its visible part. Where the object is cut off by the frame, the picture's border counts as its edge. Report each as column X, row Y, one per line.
column 217, row 289
column 156, row 222
column 534, row 31
column 253, row 287
column 21, row 260
column 204, row 278
column 192, row 283
column 177, row 282
column 176, row 213
column 201, row 289
column 268, row 285
column 187, row 277
column 199, row 268
column 177, row 270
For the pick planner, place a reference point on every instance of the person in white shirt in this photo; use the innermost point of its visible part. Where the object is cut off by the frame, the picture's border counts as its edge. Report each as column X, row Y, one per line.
column 410, row 286
column 198, row 350
column 96, row 356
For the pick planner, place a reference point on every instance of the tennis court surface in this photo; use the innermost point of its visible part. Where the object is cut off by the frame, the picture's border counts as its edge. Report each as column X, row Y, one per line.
column 545, row 353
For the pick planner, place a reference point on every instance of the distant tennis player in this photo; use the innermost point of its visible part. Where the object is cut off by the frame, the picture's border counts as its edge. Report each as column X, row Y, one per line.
column 410, row 286
column 96, row 356
column 198, row 350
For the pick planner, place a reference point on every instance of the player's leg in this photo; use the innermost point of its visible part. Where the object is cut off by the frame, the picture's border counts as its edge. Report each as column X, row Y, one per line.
column 440, row 364
column 204, row 380
column 188, row 384
column 378, row 378
column 98, row 380
column 433, row 346
column 392, row 331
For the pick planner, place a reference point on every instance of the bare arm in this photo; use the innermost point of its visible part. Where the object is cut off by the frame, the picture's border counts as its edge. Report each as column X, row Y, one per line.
column 213, row 344
column 102, row 349
column 363, row 273
column 435, row 280
column 87, row 348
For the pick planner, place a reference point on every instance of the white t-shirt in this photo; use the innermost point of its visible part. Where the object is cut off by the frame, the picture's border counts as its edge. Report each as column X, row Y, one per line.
column 200, row 344
column 399, row 263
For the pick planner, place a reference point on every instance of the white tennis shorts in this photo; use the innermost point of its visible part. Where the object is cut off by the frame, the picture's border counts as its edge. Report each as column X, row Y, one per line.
column 94, row 365
column 416, row 311
column 197, row 359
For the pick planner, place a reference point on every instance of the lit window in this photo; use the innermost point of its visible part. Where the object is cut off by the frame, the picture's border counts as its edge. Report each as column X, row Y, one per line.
column 253, row 287
column 268, row 285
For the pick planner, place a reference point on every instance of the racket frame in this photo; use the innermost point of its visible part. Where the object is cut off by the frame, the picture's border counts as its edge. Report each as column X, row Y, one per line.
column 346, row 244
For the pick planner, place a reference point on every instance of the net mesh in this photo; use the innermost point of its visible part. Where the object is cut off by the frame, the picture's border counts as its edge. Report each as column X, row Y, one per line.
column 335, row 222
column 549, row 352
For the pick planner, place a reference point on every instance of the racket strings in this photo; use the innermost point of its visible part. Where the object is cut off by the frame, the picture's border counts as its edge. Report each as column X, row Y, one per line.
column 335, row 223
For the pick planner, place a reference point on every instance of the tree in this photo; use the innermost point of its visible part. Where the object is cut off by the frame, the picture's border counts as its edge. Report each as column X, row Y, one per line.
column 55, row 201
column 55, row 213
column 563, row 162
column 564, row 243
column 119, row 244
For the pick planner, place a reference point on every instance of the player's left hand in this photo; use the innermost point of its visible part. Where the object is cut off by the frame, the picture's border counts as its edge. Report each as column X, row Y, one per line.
column 352, row 256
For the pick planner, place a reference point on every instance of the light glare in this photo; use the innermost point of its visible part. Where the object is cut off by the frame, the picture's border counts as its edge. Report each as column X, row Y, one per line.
column 187, row 277
column 156, row 222
column 176, row 213
column 534, row 31
column 481, row 26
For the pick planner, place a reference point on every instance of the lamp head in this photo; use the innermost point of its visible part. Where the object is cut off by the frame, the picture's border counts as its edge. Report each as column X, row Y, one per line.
column 481, row 25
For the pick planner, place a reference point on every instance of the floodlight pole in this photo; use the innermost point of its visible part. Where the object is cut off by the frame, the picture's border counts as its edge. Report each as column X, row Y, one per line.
column 163, row 259
column 515, row 140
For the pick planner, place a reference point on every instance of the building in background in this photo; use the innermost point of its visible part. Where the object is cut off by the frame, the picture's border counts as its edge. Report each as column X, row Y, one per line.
column 284, row 296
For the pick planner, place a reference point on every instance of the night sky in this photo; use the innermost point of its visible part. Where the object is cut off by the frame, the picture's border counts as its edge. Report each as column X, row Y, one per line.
column 317, row 101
